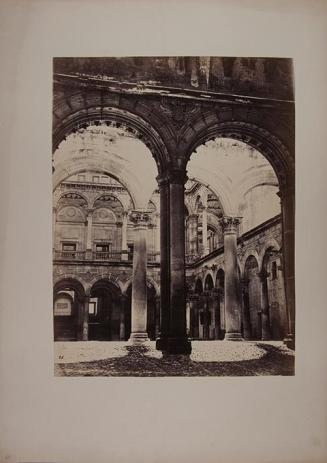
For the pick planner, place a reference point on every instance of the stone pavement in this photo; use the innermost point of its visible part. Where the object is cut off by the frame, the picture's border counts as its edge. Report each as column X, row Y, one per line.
column 208, row 358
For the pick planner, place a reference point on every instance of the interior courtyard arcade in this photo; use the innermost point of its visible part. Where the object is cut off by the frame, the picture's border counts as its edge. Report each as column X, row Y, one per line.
column 165, row 293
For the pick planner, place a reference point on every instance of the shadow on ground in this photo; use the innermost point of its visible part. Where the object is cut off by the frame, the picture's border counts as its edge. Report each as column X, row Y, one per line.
column 136, row 363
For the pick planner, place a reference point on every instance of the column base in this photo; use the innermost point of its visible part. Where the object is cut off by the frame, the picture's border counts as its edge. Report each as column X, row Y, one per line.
column 85, row 333
column 161, row 343
column 178, row 346
column 138, row 338
column 233, row 337
column 289, row 341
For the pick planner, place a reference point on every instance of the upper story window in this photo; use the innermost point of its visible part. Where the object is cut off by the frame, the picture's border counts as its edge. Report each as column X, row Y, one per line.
column 95, row 179
column 81, row 178
column 68, row 246
column 68, row 250
column 103, row 247
column 130, row 248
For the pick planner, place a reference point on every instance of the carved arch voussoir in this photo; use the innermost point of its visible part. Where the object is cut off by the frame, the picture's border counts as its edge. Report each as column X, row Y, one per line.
column 270, row 146
column 140, row 128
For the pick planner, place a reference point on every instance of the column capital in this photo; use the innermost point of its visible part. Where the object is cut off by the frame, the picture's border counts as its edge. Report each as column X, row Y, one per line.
column 140, row 218
column 230, row 224
column 173, row 175
column 89, row 211
column 193, row 216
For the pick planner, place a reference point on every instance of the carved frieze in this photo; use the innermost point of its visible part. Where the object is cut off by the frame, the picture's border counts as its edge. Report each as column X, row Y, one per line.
column 70, row 214
column 103, row 215
column 179, row 111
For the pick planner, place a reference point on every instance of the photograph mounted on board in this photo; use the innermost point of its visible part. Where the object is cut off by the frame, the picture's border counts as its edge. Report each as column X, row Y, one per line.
column 173, row 216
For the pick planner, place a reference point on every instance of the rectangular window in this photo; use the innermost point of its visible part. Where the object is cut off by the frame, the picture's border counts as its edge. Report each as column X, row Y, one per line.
column 130, row 248
column 92, row 308
column 102, row 247
column 63, row 309
column 95, row 178
column 69, row 246
column 81, row 178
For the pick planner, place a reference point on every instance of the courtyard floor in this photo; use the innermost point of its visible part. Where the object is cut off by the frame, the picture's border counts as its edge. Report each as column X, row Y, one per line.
column 208, row 358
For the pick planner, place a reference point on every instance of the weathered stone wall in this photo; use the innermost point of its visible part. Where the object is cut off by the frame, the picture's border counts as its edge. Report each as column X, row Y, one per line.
column 247, row 76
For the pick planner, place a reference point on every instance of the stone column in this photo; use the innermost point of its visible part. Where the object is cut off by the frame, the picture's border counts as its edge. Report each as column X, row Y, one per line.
column 85, row 323
column 195, row 316
column 178, row 343
column 188, row 317
column 287, row 196
column 124, row 255
column 206, row 314
column 216, row 305
column 89, row 234
column 265, row 321
column 54, row 215
column 139, row 287
column 205, row 228
column 157, row 316
column 246, row 309
column 193, row 234
column 157, row 237
column 233, row 304
column 123, row 303
column 163, row 183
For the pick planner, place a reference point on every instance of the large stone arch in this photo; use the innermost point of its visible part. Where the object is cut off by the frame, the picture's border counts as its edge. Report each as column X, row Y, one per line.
column 198, row 285
column 105, row 277
column 208, row 279
column 269, row 145
column 107, row 283
column 248, row 253
column 219, row 274
column 69, row 280
column 128, row 283
column 281, row 157
column 270, row 244
column 134, row 123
